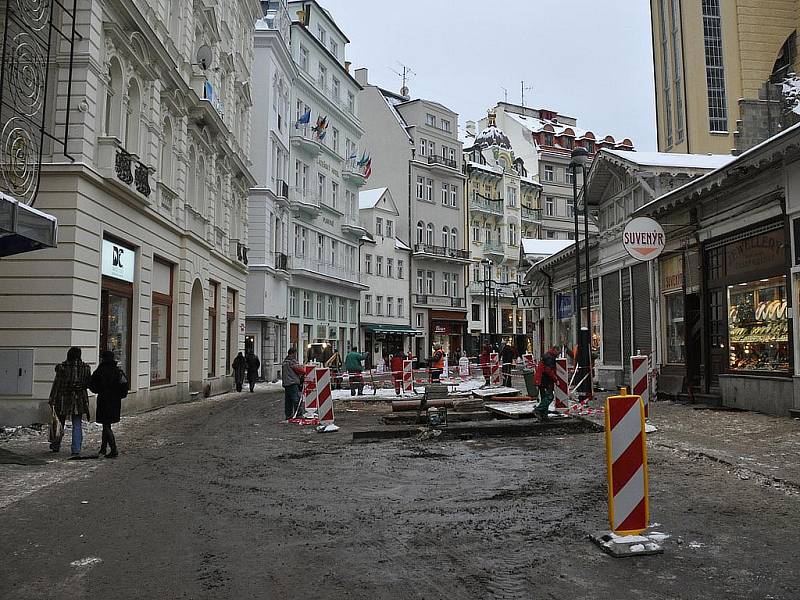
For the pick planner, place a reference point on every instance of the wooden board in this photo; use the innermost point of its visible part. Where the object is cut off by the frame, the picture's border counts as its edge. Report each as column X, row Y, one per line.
column 491, row 392
column 513, row 410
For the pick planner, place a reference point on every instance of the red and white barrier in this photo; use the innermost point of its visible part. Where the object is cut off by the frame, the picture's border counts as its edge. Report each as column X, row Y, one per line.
column 309, row 395
column 626, row 459
column 408, row 377
column 494, row 374
column 640, row 367
column 529, row 362
column 562, row 384
column 324, row 397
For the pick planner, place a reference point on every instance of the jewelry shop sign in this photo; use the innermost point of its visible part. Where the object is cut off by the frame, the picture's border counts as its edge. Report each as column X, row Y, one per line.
column 643, row 238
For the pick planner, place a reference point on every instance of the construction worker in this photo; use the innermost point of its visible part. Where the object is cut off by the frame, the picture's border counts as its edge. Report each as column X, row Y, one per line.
column 437, row 363
column 354, row 368
column 545, row 378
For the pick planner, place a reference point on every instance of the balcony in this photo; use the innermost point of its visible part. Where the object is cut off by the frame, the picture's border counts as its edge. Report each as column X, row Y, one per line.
column 441, row 253
column 352, row 226
column 531, row 215
column 492, row 206
column 305, row 140
column 275, row 19
column 442, row 301
column 303, row 199
column 195, row 222
column 281, row 262
column 325, row 271
column 505, row 290
column 441, row 161
column 352, row 173
column 125, row 168
column 496, row 248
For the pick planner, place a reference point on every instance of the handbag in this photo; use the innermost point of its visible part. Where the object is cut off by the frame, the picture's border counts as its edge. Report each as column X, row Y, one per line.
column 56, row 431
column 123, row 384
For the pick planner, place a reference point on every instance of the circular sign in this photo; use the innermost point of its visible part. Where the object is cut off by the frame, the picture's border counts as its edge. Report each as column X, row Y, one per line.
column 643, row 238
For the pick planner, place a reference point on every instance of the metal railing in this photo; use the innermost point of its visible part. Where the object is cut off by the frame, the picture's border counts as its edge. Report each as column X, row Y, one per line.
column 303, row 197
column 494, row 247
column 441, row 160
column 441, row 251
column 435, row 300
column 485, row 204
column 531, row 214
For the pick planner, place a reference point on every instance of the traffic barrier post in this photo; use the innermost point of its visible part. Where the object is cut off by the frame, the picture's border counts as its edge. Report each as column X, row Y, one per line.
column 494, row 360
column 640, row 365
column 324, row 397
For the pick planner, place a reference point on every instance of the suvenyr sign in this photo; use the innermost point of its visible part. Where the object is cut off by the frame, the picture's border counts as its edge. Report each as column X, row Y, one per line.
column 643, row 238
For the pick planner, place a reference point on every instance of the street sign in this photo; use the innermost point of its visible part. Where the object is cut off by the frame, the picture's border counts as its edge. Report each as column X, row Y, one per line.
column 531, row 301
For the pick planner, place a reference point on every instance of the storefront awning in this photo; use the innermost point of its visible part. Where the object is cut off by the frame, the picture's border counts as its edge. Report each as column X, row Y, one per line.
column 23, row 229
column 401, row 329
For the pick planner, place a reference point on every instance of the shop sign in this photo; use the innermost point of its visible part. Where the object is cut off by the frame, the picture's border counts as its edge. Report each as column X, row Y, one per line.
column 671, row 270
column 564, row 307
column 758, row 254
column 531, row 301
column 441, row 329
column 643, row 238
column 118, row 261
column 438, row 300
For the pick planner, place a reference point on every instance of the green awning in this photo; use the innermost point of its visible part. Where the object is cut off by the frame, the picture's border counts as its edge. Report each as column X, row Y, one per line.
column 383, row 328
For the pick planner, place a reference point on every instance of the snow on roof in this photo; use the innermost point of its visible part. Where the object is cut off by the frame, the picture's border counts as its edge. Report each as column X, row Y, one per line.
column 536, row 125
column 669, row 159
column 369, row 198
column 400, row 245
column 490, row 168
column 544, row 247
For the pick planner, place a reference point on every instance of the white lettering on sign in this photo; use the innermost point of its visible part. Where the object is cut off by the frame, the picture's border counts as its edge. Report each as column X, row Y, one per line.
column 118, row 261
column 643, row 238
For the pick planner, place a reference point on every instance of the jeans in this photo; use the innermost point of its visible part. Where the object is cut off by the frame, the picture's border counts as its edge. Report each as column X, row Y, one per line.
column 546, row 395
column 77, row 432
column 291, row 400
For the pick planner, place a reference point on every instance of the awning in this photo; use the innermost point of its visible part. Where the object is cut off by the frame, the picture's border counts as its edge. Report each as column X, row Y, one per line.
column 383, row 328
column 23, row 229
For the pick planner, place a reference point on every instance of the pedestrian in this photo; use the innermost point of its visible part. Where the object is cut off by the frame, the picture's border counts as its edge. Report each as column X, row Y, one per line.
column 69, row 398
column 334, row 363
column 437, row 363
column 292, row 375
column 239, row 367
column 352, row 364
column 111, row 386
column 253, row 364
column 507, row 359
column 486, row 363
column 545, row 378
column 396, row 366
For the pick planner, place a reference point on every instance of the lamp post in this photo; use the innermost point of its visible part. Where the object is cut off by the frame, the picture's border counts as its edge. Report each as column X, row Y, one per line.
column 579, row 158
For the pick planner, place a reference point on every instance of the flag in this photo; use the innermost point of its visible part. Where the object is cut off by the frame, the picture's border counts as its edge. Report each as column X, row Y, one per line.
column 368, row 169
column 321, row 127
column 363, row 160
column 304, row 119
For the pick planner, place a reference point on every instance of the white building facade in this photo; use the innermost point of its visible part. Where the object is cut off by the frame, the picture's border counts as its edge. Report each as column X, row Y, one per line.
column 151, row 260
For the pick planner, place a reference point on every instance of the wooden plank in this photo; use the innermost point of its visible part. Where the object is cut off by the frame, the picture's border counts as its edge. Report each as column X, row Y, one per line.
column 512, row 410
column 491, row 392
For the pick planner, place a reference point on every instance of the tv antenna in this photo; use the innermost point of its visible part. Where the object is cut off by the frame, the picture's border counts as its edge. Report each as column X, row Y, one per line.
column 405, row 75
column 505, row 93
column 523, row 89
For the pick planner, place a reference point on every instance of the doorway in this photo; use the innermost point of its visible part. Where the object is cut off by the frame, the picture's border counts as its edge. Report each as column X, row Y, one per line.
column 196, row 345
column 693, row 332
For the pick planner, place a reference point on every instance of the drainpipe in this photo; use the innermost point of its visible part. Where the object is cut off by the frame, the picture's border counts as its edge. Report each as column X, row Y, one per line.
column 358, row 310
column 410, row 254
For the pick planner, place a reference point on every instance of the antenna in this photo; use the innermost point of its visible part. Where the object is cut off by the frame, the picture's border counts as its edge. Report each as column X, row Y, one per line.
column 405, row 75
column 524, row 89
column 505, row 93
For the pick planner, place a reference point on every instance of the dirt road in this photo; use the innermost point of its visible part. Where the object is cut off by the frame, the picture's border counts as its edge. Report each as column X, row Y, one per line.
column 218, row 500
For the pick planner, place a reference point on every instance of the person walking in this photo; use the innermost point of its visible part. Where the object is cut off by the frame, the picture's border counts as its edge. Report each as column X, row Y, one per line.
column 352, row 364
column 111, row 386
column 396, row 367
column 507, row 360
column 69, row 398
column 253, row 364
column 291, row 379
column 545, row 378
column 486, row 360
column 239, row 367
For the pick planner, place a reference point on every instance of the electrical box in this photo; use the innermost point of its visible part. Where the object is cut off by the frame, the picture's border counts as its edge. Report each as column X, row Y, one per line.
column 16, row 371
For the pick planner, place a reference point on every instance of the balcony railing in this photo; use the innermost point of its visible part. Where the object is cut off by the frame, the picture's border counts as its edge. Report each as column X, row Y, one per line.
column 352, row 168
column 281, row 261
column 308, row 263
column 276, row 18
column 478, row 288
column 531, row 214
column 303, row 198
column 434, row 300
column 435, row 159
column 211, row 96
column 195, row 222
column 441, row 251
column 484, row 204
column 494, row 248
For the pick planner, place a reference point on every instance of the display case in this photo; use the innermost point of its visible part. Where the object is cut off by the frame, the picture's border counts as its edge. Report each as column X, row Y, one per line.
column 758, row 326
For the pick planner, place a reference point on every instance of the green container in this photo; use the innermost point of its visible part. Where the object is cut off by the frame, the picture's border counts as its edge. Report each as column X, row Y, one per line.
column 533, row 391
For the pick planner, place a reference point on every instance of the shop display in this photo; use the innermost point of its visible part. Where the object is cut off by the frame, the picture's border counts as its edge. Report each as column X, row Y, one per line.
column 758, row 326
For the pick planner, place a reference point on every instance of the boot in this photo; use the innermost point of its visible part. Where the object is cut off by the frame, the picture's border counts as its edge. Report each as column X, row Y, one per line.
column 103, row 443
column 112, row 442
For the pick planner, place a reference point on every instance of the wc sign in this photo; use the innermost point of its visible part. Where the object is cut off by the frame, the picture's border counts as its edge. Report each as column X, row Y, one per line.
column 118, row 261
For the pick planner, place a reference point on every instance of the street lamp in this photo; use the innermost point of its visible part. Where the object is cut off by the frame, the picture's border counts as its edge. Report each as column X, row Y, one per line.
column 579, row 158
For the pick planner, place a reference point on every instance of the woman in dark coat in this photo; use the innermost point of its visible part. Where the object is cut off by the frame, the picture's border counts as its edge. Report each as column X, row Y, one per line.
column 111, row 386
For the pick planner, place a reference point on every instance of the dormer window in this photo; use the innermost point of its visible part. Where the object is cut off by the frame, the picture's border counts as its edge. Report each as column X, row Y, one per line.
column 321, row 34
column 569, row 143
column 548, row 139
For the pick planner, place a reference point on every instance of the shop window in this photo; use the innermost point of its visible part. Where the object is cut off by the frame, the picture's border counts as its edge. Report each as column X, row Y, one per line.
column 231, row 340
column 213, row 307
column 161, row 324
column 675, row 332
column 507, row 320
column 116, row 302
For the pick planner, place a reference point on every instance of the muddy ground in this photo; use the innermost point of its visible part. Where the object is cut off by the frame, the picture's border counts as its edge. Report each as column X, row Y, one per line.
column 217, row 499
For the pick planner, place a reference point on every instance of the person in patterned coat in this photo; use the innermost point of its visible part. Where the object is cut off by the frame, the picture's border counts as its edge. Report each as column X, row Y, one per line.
column 69, row 398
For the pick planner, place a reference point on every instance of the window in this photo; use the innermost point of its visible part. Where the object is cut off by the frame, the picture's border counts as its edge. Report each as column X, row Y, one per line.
column 454, row 238
column 444, row 151
column 390, row 268
column 368, row 304
column 431, row 148
column 476, row 231
column 331, row 309
column 304, row 58
column 351, row 102
column 445, row 125
column 715, row 69
column 420, row 278
column 320, row 247
column 665, row 67
column 342, row 310
column 352, row 311
column 321, row 34
column 401, row 310
column 167, row 150
column 379, row 226
column 389, row 228
column 677, row 67
column 335, row 139
column 445, row 236
column 379, row 305
column 512, row 234
column 446, row 284
column 429, row 282
column 389, row 306
column 445, row 188
column 400, row 269
column 548, row 139
column 570, row 207
column 420, row 186
column 307, row 305
column 368, row 264
column 322, row 78
column 590, row 146
column 423, row 146
column 334, row 253
column 429, row 234
column 133, row 118
column 569, row 143
column 420, row 320
column 430, row 120
column 293, row 303
column 379, row 266
column 335, row 89
column 549, row 206
column 453, row 156
column 334, row 48
column 429, row 190
column 161, row 323
column 550, row 234
column 453, row 196
column 318, row 301
column 420, row 232
column 334, row 194
column 321, row 186
column 511, row 195
column 476, row 312
column 568, row 175
column 455, row 285
column 300, row 175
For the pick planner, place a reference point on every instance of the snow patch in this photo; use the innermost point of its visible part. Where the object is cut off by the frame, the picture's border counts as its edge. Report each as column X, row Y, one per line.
column 89, row 561
column 791, row 92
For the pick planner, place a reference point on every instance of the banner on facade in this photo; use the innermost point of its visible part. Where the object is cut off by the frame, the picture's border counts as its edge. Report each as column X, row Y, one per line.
column 564, row 306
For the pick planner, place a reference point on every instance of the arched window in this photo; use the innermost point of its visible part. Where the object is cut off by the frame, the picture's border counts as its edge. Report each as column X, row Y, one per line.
column 111, row 122
column 420, row 232
column 219, row 210
column 512, row 234
column 487, row 234
column 133, row 116
column 200, row 187
column 191, row 181
column 166, row 153
column 454, row 238
column 445, row 236
column 429, row 234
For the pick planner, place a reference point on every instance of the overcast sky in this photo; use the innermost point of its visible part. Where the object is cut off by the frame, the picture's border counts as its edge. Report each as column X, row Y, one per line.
column 590, row 59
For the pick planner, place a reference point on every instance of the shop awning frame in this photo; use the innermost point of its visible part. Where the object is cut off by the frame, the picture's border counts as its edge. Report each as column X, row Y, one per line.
column 386, row 328
column 23, row 228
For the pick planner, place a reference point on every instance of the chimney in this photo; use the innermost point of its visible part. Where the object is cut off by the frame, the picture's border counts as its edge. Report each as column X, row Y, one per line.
column 347, row 64
column 471, row 127
column 362, row 76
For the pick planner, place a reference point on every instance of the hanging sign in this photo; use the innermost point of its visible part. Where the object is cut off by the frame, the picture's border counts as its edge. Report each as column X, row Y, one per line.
column 531, row 301
column 643, row 238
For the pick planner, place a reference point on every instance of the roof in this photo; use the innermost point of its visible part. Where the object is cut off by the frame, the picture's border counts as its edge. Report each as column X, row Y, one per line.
column 766, row 151
column 544, row 247
column 400, row 245
column 492, row 136
column 669, row 159
column 369, row 198
column 562, row 255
